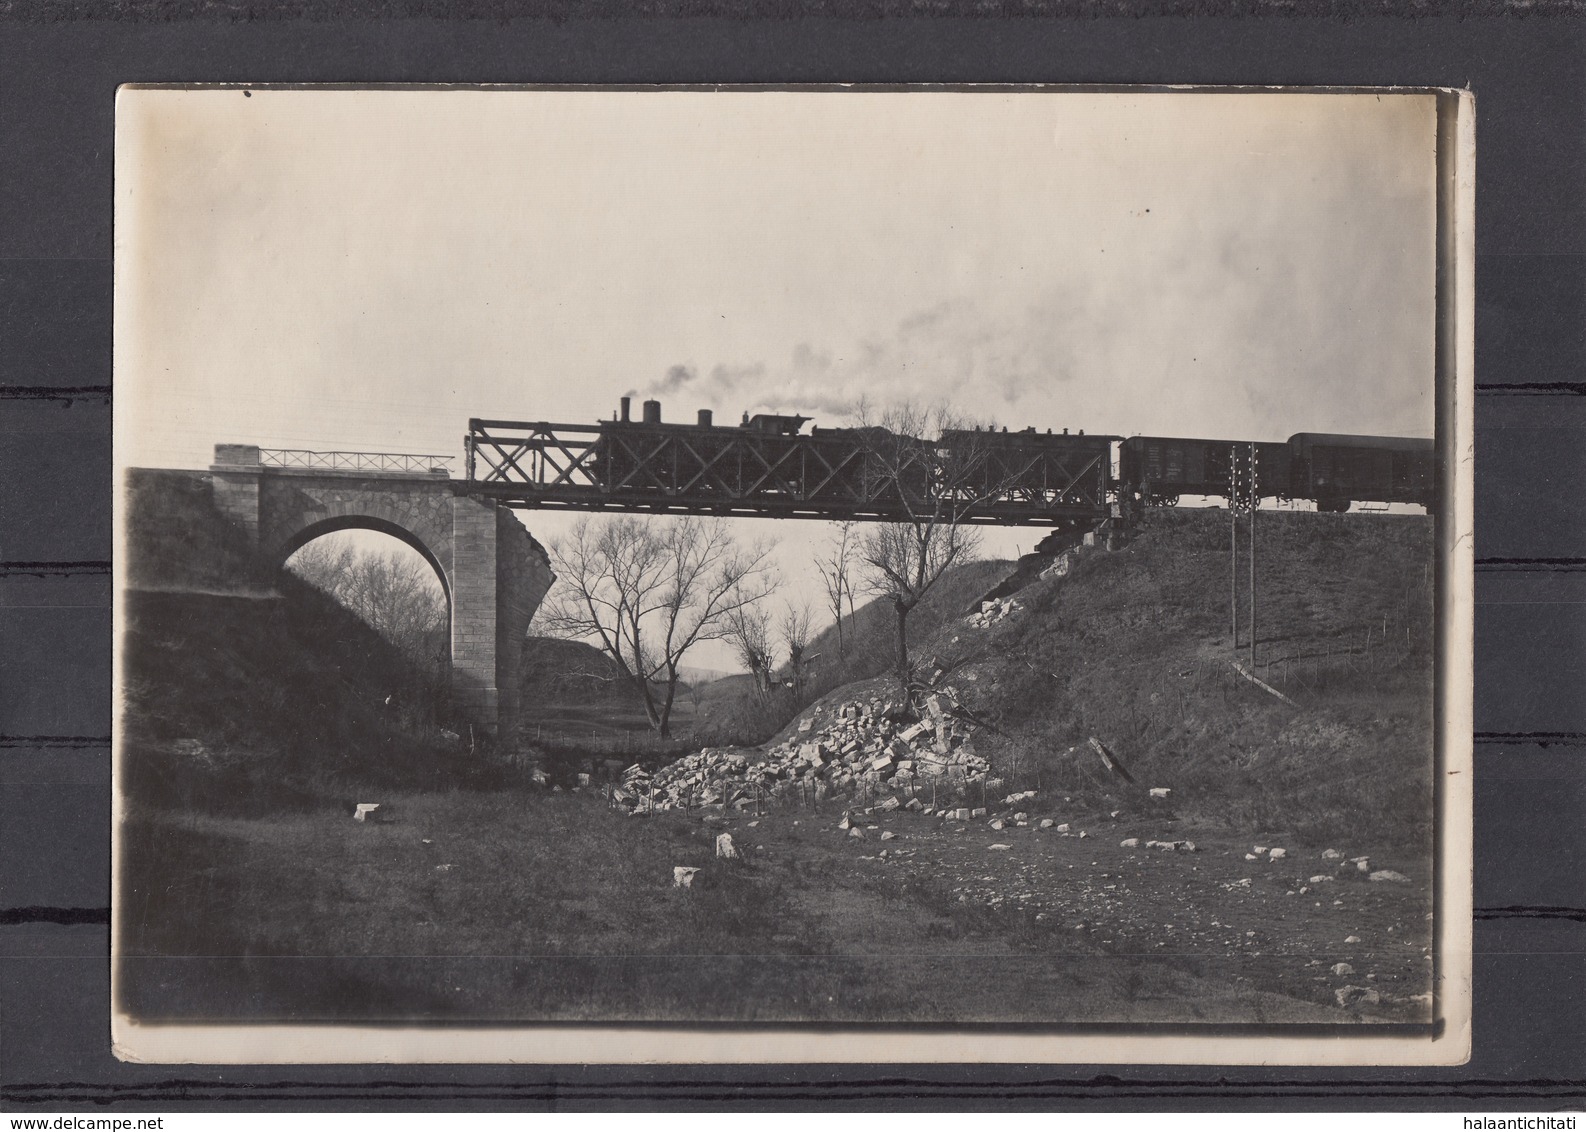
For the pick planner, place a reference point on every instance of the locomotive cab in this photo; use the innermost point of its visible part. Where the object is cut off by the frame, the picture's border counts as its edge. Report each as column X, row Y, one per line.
column 774, row 424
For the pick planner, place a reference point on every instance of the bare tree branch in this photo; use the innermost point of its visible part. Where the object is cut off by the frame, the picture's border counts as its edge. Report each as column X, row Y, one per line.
column 937, row 485
column 835, row 567
column 648, row 590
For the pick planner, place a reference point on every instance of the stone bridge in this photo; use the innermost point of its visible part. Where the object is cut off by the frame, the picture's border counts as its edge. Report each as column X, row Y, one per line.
column 493, row 571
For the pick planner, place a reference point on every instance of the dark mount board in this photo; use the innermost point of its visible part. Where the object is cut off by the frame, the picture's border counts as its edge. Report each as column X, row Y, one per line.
column 61, row 64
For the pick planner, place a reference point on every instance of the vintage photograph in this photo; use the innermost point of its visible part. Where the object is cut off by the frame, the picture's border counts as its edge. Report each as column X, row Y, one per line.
column 975, row 564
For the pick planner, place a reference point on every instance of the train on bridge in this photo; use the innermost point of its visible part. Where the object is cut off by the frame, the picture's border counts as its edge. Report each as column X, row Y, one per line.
column 768, row 465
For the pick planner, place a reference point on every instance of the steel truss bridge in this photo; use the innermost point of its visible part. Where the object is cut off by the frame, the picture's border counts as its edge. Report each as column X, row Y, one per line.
column 835, row 474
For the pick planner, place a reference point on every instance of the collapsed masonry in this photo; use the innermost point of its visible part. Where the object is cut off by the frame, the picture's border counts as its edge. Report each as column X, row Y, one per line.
column 993, row 611
column 859, row 751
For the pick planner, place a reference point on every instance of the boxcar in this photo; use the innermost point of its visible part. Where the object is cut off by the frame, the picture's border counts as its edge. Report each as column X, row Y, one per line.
column 1337, row 470
column 1163, row 468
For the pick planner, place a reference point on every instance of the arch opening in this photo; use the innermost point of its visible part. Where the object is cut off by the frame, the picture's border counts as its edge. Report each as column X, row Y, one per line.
column 385, row 577
column 358, row 523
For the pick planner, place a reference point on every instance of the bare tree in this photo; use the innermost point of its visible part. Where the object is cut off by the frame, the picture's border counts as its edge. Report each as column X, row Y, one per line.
column 795, row 627
column 937, row 486
column 749, row 633
column 696, row 698
column 835, row 567
column 648, row 590
column 396, row 594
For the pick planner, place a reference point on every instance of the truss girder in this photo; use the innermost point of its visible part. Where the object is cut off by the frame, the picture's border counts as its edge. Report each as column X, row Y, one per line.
column 836, row 474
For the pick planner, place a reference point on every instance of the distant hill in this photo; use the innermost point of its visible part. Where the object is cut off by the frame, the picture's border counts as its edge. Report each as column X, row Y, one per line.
column 693, row 675
column 572, row 672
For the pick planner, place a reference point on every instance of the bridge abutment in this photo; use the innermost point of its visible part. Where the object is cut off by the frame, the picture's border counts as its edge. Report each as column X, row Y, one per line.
column 493, row 571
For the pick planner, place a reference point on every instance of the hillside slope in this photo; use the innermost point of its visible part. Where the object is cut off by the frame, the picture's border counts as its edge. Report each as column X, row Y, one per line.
column 868, row 636
column 1133, row 648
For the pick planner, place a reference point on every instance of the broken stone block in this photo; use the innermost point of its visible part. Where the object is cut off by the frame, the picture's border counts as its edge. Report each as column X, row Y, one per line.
column 978, row 812
column 887, row 805
column 1356, row 996
column 805, row 725
column 998, row 824
column 683, row 877
column 887, row 835
column 914, row 804
column 363, row 810
column 999, row 845
column 1278, row 854
column 1321, row 878
column 855, row 831
column 845, row 823
column 1129, row 843
column 1351, row 939
column 1342, row 969
column 725, row 848
column 1021, row 816
column 1063, row 828
column 1331, row 855
column 1160, row 791
column 1389, row 876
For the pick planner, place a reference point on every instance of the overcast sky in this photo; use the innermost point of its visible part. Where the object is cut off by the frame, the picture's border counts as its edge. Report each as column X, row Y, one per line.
column 367, row 270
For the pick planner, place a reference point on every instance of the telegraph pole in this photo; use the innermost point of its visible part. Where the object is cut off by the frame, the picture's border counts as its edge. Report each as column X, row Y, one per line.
column 1233, row 542
column 1255, row 505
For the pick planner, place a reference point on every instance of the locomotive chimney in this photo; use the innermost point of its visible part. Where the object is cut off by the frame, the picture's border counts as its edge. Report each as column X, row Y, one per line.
column 652, row 412
column 704, row 418
column 626, row 401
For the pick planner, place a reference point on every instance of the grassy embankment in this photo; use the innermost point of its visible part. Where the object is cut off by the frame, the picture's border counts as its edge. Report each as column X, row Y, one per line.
column 1133, row 648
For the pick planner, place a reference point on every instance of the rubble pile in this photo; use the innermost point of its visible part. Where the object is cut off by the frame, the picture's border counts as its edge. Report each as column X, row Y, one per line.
column 994, row 610
column 857, row 750
column 1059, row 568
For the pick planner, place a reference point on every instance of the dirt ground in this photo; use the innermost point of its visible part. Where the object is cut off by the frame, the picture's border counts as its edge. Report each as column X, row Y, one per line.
column 1279, row 926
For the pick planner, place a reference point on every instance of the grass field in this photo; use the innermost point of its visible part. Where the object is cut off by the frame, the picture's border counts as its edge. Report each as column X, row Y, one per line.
column 493, row 905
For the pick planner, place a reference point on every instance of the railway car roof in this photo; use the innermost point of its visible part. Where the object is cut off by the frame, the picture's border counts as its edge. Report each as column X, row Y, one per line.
column 1196, row 440
column 1345, row 440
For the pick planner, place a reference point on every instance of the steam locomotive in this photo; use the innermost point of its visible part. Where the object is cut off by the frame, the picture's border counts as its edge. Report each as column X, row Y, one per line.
column 769, row 455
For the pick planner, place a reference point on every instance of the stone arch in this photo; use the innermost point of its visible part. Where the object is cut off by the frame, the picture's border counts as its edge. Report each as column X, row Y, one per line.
column 293, row 543
column 295, row 510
